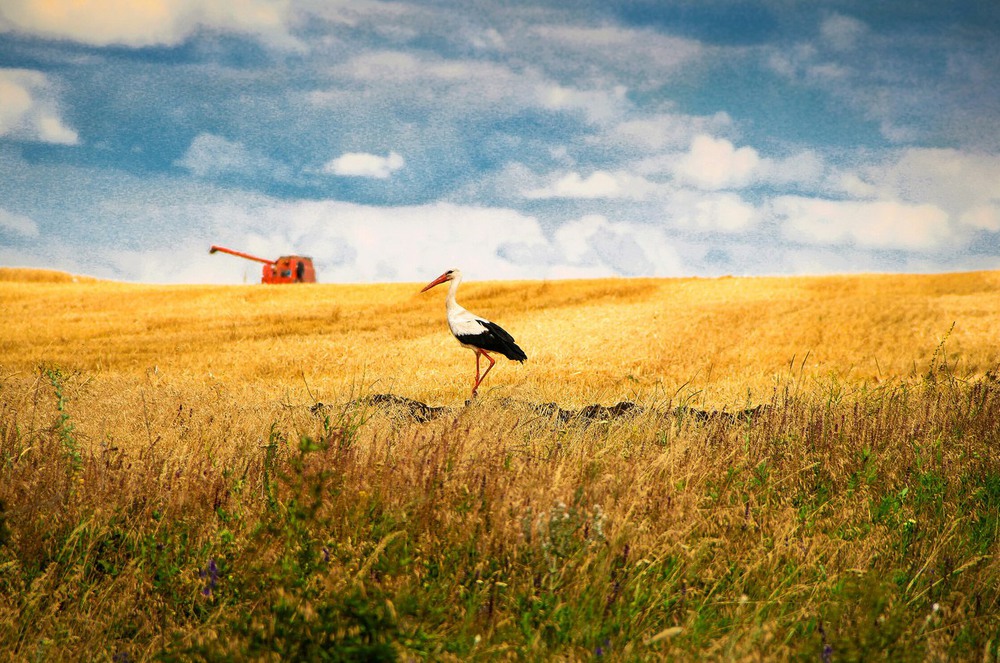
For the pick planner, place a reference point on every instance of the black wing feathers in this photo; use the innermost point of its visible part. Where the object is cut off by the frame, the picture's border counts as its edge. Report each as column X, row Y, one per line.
column 495, row 339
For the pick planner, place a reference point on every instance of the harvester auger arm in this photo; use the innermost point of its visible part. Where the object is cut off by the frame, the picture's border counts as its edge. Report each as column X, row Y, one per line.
column 240, row 254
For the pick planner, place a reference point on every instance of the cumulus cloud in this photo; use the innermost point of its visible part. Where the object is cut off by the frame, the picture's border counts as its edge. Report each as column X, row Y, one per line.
column 715, row 163
column 139, row 24
column 17, row 224
column 362, row 164
column 214, row 156
column 409, row 243
column 723, row 212
column 963, row 186
column 952, row 179
column 983, row 217
column 599, row 184
column 868, row 224
column 29, row 109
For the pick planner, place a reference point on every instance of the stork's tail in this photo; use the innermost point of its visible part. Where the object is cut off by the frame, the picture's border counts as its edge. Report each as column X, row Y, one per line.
column 504, row 342
column 514, row 352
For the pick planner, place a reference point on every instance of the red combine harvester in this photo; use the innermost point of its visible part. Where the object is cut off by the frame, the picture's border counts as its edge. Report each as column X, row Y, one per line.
column 286, row 269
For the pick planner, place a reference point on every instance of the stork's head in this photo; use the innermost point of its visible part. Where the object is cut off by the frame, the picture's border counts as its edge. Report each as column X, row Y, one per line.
column 450, row 275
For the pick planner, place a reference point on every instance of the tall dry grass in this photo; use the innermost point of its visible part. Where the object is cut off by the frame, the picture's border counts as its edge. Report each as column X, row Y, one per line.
column 172, row 489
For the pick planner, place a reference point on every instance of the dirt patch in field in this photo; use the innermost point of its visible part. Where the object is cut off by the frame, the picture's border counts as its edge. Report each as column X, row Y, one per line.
column 422, row 412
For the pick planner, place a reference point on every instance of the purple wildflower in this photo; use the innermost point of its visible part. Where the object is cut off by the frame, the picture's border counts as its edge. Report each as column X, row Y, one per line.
column 211, row 577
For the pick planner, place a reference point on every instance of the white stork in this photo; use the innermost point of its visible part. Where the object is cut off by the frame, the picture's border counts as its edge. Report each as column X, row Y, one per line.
column 478, row 334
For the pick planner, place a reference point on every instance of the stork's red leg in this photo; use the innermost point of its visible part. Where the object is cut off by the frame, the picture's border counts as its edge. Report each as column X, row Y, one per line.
column 475, row 385
column 479, row 380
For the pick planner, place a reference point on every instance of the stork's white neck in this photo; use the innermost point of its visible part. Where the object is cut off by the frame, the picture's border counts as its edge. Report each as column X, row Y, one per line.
column 450, row 304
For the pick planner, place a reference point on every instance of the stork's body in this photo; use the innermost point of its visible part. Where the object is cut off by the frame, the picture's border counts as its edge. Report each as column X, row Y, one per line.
column 475, row 333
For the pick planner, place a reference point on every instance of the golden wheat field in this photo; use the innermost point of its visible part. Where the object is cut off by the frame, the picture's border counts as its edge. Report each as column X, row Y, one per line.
column 809, row 469
column 586, row 340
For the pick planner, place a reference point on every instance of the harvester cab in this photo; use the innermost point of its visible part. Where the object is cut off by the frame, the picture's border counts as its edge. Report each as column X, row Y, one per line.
column 286, row 269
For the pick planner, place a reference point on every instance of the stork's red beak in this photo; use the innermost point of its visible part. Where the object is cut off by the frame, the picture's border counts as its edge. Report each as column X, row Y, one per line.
column 438, row 281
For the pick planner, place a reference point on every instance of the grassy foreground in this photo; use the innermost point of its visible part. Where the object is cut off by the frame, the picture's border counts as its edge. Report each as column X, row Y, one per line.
column 172, row 490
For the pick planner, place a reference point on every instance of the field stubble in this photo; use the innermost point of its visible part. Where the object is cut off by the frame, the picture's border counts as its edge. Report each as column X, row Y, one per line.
column 172, row 489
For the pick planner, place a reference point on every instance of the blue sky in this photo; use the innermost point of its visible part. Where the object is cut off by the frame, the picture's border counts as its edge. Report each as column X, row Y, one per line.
column 524, row 139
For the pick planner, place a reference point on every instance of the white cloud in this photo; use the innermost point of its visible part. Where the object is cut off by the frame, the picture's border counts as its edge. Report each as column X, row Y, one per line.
column 214, row 156
column 711, row 212
column 827, row 72
column 598, row 185
column 983, row 217
column 711, row 164
column 17, row 224
column 593, row 247
column 805, row 167
column 139, row 24
column 790, row 61
column 467, row 87
column 952, row 179
column 596, row 55
column 390, row 66
column 362, row 164
column 715, row 163
column 488, row 40
column 965, row 186
column 29, row 109
column 358, row 243
column 868, row 224
column 402, row 68
column 842, row 32
column 575, row 70
column 598, row 105
column 571, row 185
column 853, row 185
column 411, row 243
column 573, row 239
column 652, row 133
column 916, row 86
column 621, row 248
column 449, row 87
